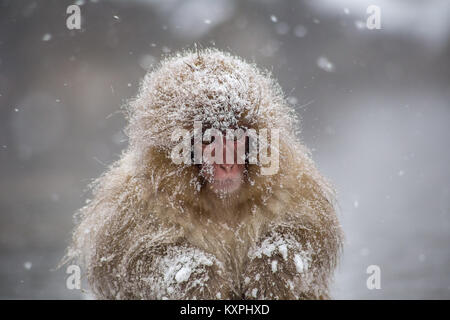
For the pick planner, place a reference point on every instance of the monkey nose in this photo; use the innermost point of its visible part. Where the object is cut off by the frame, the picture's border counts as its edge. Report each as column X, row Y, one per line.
column 226, row 167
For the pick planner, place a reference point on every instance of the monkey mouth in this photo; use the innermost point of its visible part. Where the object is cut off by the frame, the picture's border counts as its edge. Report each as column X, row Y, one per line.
column 226, row 186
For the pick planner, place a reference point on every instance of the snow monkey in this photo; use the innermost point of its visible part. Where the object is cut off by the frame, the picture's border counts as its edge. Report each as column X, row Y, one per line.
column 160, row 228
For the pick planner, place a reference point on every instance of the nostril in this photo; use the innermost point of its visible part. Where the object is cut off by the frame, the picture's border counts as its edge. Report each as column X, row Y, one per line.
column 226, row 167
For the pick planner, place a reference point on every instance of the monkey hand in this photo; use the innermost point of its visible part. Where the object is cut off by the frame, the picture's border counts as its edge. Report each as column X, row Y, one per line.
column 182, row 271
column 279, row 268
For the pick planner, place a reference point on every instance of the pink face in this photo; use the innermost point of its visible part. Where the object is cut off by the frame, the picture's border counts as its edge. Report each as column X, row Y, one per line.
column 225, row 177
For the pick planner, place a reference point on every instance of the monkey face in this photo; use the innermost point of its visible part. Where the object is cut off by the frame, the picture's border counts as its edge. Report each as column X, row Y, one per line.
column 222, row 167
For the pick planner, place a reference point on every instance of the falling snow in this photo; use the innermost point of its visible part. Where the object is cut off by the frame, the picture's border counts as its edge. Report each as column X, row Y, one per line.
column 325, row 64
column 46, row 37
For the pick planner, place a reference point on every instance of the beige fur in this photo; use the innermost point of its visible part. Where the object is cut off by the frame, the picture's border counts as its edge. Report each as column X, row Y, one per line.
column 152, row 229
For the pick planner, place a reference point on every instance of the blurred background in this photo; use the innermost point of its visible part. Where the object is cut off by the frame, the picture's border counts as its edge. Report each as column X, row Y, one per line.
column 375, row 108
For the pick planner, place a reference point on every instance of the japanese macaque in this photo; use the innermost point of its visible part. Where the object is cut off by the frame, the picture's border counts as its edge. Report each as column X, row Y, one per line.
column 222, row 223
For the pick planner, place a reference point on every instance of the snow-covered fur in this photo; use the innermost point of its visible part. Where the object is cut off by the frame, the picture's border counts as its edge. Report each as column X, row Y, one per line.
column 152, row 231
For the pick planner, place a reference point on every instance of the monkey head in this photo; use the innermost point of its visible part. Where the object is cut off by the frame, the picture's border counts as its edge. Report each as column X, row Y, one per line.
column 233, row 102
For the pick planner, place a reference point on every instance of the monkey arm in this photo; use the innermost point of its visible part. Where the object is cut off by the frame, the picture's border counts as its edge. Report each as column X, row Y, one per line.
column 143, row 258
column 290, row 262
column 176, row 270
column 129, row 253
